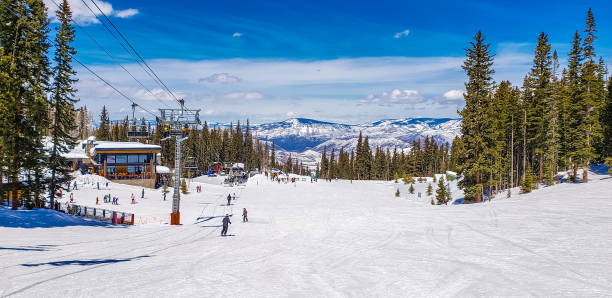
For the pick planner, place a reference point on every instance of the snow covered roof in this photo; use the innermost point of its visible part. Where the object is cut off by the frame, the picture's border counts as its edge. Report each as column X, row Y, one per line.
column 75, row 153
column 123, row 146
column 162, row 170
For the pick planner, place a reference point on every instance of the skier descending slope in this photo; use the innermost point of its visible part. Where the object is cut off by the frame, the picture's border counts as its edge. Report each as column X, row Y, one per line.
column 226, row 223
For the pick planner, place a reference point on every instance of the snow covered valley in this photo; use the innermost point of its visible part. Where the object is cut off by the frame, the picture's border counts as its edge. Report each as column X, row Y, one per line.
column 330, row 239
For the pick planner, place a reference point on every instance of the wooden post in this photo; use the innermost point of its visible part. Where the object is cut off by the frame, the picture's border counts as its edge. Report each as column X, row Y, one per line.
column 104, row 174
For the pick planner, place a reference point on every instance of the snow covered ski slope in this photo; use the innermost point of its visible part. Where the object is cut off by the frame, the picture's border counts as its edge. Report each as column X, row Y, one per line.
column 330, row 239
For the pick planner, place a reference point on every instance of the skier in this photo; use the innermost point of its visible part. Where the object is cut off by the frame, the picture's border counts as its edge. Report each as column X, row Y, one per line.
column 229, row 199
column 164, row 196
column 97, row 201
column 226, row 223
column 106, row 184
column 75, row 185
column 244, row 215
column 98, row 184
column 142, row 196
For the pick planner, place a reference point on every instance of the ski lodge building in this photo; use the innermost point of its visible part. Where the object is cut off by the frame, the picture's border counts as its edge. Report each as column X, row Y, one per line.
column 131, row 162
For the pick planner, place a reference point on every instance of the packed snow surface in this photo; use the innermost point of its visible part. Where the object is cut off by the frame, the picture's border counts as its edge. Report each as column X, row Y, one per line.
column 330, row 239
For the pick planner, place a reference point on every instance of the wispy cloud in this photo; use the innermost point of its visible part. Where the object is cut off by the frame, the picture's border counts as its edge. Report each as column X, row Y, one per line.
column 394, row 96
column 126, row 13
column 453, row 94
column 402, row 33
column 237, row 34
column 221, row 78
column 84, row 15
column 243, row 95
column 268, row 88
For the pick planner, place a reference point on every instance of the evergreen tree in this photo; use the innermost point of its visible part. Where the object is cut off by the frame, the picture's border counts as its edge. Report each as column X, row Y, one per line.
column 324, row 164
column 429, row 189
column 273, row 156
column 103, row 132
column 441, row 195
column 62, row 101
column 528, row 183
column 606, row 121
column 411, row 189
column 475, row 116
column 24, row 77
column 537, row 93
column 184, row 187
column 589, row 128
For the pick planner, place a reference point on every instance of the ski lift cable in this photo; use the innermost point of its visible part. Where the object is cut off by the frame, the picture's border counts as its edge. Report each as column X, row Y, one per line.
column 136, row 52
column 122, row 44
column 110, row 85
column 111, row 56
column 106, row 82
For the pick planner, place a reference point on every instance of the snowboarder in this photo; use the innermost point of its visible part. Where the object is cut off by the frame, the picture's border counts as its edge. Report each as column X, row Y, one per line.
column 244, row 215
column 226, row 223
column 229, row 199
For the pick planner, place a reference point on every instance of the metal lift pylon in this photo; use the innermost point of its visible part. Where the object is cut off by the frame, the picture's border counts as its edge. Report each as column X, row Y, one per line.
column 176, row 123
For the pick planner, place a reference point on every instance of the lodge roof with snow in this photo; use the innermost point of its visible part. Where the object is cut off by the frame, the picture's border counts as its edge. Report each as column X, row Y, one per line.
column 104, row 146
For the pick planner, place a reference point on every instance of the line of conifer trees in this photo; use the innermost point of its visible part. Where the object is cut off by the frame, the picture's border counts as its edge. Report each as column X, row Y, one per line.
column 425, row 158
column 37, row 98
column 558, row 120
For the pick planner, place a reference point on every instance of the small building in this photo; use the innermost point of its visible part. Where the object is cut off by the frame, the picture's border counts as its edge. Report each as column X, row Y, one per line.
column 132, row 162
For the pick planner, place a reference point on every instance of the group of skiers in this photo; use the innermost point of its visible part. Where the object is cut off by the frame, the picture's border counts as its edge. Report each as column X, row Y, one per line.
column 110, row 199
column 199, row 188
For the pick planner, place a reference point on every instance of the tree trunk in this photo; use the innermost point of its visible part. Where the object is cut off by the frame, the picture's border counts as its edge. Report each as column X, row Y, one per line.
column 525, row 143
column 512, row 153
column 541, row 167
column 477, row 196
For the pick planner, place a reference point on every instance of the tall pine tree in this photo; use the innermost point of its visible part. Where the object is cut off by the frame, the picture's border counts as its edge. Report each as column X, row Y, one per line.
column 62, row 100
column 475, row 116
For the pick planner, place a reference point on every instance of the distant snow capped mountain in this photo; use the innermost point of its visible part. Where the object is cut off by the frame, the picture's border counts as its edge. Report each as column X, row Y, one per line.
column 305, row 138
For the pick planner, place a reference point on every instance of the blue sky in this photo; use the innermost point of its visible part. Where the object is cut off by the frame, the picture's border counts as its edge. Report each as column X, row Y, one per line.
column 340, row 61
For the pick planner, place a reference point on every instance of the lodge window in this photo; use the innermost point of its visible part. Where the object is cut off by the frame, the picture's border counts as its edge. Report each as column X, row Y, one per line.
column 132, row 158
column 121, row 159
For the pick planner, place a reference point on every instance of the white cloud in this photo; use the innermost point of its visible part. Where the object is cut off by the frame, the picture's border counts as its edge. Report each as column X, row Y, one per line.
column 222, row 78
column 395, row 96
column 208, row 112
column 453, row 94
column 290, row 114
column 237, row 34
column 243, row 96
column 126, row 13
column 84, row 16
column 335, row 84
column 402, row 33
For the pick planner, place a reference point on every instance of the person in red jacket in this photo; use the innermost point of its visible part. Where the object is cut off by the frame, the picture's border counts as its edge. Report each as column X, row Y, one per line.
column 244, row 215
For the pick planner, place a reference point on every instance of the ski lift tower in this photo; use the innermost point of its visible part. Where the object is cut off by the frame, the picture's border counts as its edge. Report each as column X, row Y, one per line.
column 176, row 124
